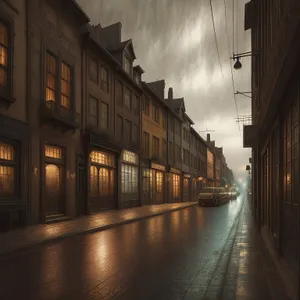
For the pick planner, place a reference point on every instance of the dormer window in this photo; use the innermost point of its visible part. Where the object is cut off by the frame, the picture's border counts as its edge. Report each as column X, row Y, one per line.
column 127, row 65
column 137, row 78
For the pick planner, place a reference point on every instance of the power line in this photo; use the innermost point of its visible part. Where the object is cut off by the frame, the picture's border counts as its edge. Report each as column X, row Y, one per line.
column 216, row 40
column 232, row 79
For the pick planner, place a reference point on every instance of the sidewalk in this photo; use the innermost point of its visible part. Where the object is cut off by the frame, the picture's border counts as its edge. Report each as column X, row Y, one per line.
column 251, row 273
column 38, row 234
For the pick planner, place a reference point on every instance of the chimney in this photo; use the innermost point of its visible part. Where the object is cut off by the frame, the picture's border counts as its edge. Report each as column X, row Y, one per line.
column 170, row 94
column 208, row 138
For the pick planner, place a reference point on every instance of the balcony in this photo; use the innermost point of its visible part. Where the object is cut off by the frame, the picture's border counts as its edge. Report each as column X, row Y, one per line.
column 60, row 117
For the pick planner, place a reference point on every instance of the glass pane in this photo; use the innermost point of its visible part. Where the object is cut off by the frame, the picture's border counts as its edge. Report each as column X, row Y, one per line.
column 7, row 180
column 3, row 34
column 65, row 101
column 3, row 77
column 3, row 56
column 104, row 182
column 6, row 152
column 65, row 88
column 65, row 72
column 51, row 64
column 102, row 158
column 50, row 95
column 53, row 152
column 103, row 115
column 50, row 81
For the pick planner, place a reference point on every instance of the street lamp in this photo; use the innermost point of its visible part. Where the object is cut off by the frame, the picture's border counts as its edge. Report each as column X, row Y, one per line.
column 236, row 57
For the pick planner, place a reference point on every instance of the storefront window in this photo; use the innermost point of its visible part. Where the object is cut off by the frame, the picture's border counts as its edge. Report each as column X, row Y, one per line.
column 7, row 170
column 159, row 182
column 130, row 157
column 176, row 185
column 129, row 178
column 101, row 174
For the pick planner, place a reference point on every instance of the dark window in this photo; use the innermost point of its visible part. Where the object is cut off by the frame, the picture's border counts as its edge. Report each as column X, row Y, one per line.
column 103, row 115
column 4, row 56
column 93, row 110
column 155, row 146
column 147, row 106
column 127, row 65
column 104, row 79
column 8, row 170
column 155, row 113
column 146, row 142
column 127, row 98
column 135, row 104
column 119, row 128
column 164, row 120
column 119, row 93
column 128, row 132
column 93, row 70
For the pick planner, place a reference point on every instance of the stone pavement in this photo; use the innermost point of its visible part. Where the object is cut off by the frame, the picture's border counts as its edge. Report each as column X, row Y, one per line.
column 36, row 234
column 251, row 273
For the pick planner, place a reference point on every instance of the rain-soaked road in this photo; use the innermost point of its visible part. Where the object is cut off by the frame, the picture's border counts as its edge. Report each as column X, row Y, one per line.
column 159, row 258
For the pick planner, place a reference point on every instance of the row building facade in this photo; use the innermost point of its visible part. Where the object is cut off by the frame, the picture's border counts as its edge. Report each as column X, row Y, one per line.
column 80, row 131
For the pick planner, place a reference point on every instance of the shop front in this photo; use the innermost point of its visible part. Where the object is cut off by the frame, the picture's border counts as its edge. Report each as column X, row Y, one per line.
column 102, row 178
column 174, row 185
column 129, row 179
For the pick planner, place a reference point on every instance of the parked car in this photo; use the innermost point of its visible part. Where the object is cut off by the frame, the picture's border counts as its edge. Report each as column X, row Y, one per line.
column 212, row 196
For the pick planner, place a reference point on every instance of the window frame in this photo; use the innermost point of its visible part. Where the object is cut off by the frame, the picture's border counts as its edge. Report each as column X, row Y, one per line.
column 146, row 144
column 6, row 93
column 96, row 80
column 104, row 85
column 61, row 58
column 100, row 120
column 12, row 164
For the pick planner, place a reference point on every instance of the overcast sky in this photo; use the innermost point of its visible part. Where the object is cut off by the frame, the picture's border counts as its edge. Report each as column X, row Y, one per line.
column 174, row 40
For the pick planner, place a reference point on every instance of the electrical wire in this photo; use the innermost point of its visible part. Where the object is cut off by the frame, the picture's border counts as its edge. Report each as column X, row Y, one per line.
column 216, row 40
column 232, row 78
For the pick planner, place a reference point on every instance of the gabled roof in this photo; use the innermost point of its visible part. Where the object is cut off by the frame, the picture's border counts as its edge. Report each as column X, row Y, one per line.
column 176, row 103
column 80, row 13
column 125, row 45
column 139, row 69
column 186, row 116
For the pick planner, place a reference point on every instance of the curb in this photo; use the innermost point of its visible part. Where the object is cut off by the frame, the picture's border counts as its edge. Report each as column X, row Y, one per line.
column 89, row 230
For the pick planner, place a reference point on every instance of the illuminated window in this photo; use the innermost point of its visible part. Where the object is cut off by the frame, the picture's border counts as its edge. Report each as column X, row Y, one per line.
column 51, row 77
column 130, row 157
column 4, row 48
column 94, row 181
column 7, row 170
column 53, row 176
column 53, row 152
column 176, row 186
column 129, row 179
column 101, row 178
column 159, row 182
column 104, row 79
column 65, row 86
column 102, row 158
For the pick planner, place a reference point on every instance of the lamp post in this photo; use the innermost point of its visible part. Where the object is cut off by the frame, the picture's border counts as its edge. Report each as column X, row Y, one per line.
column 236, row 57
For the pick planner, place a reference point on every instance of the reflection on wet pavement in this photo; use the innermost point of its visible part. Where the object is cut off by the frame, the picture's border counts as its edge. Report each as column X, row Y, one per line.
column 156, row 258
